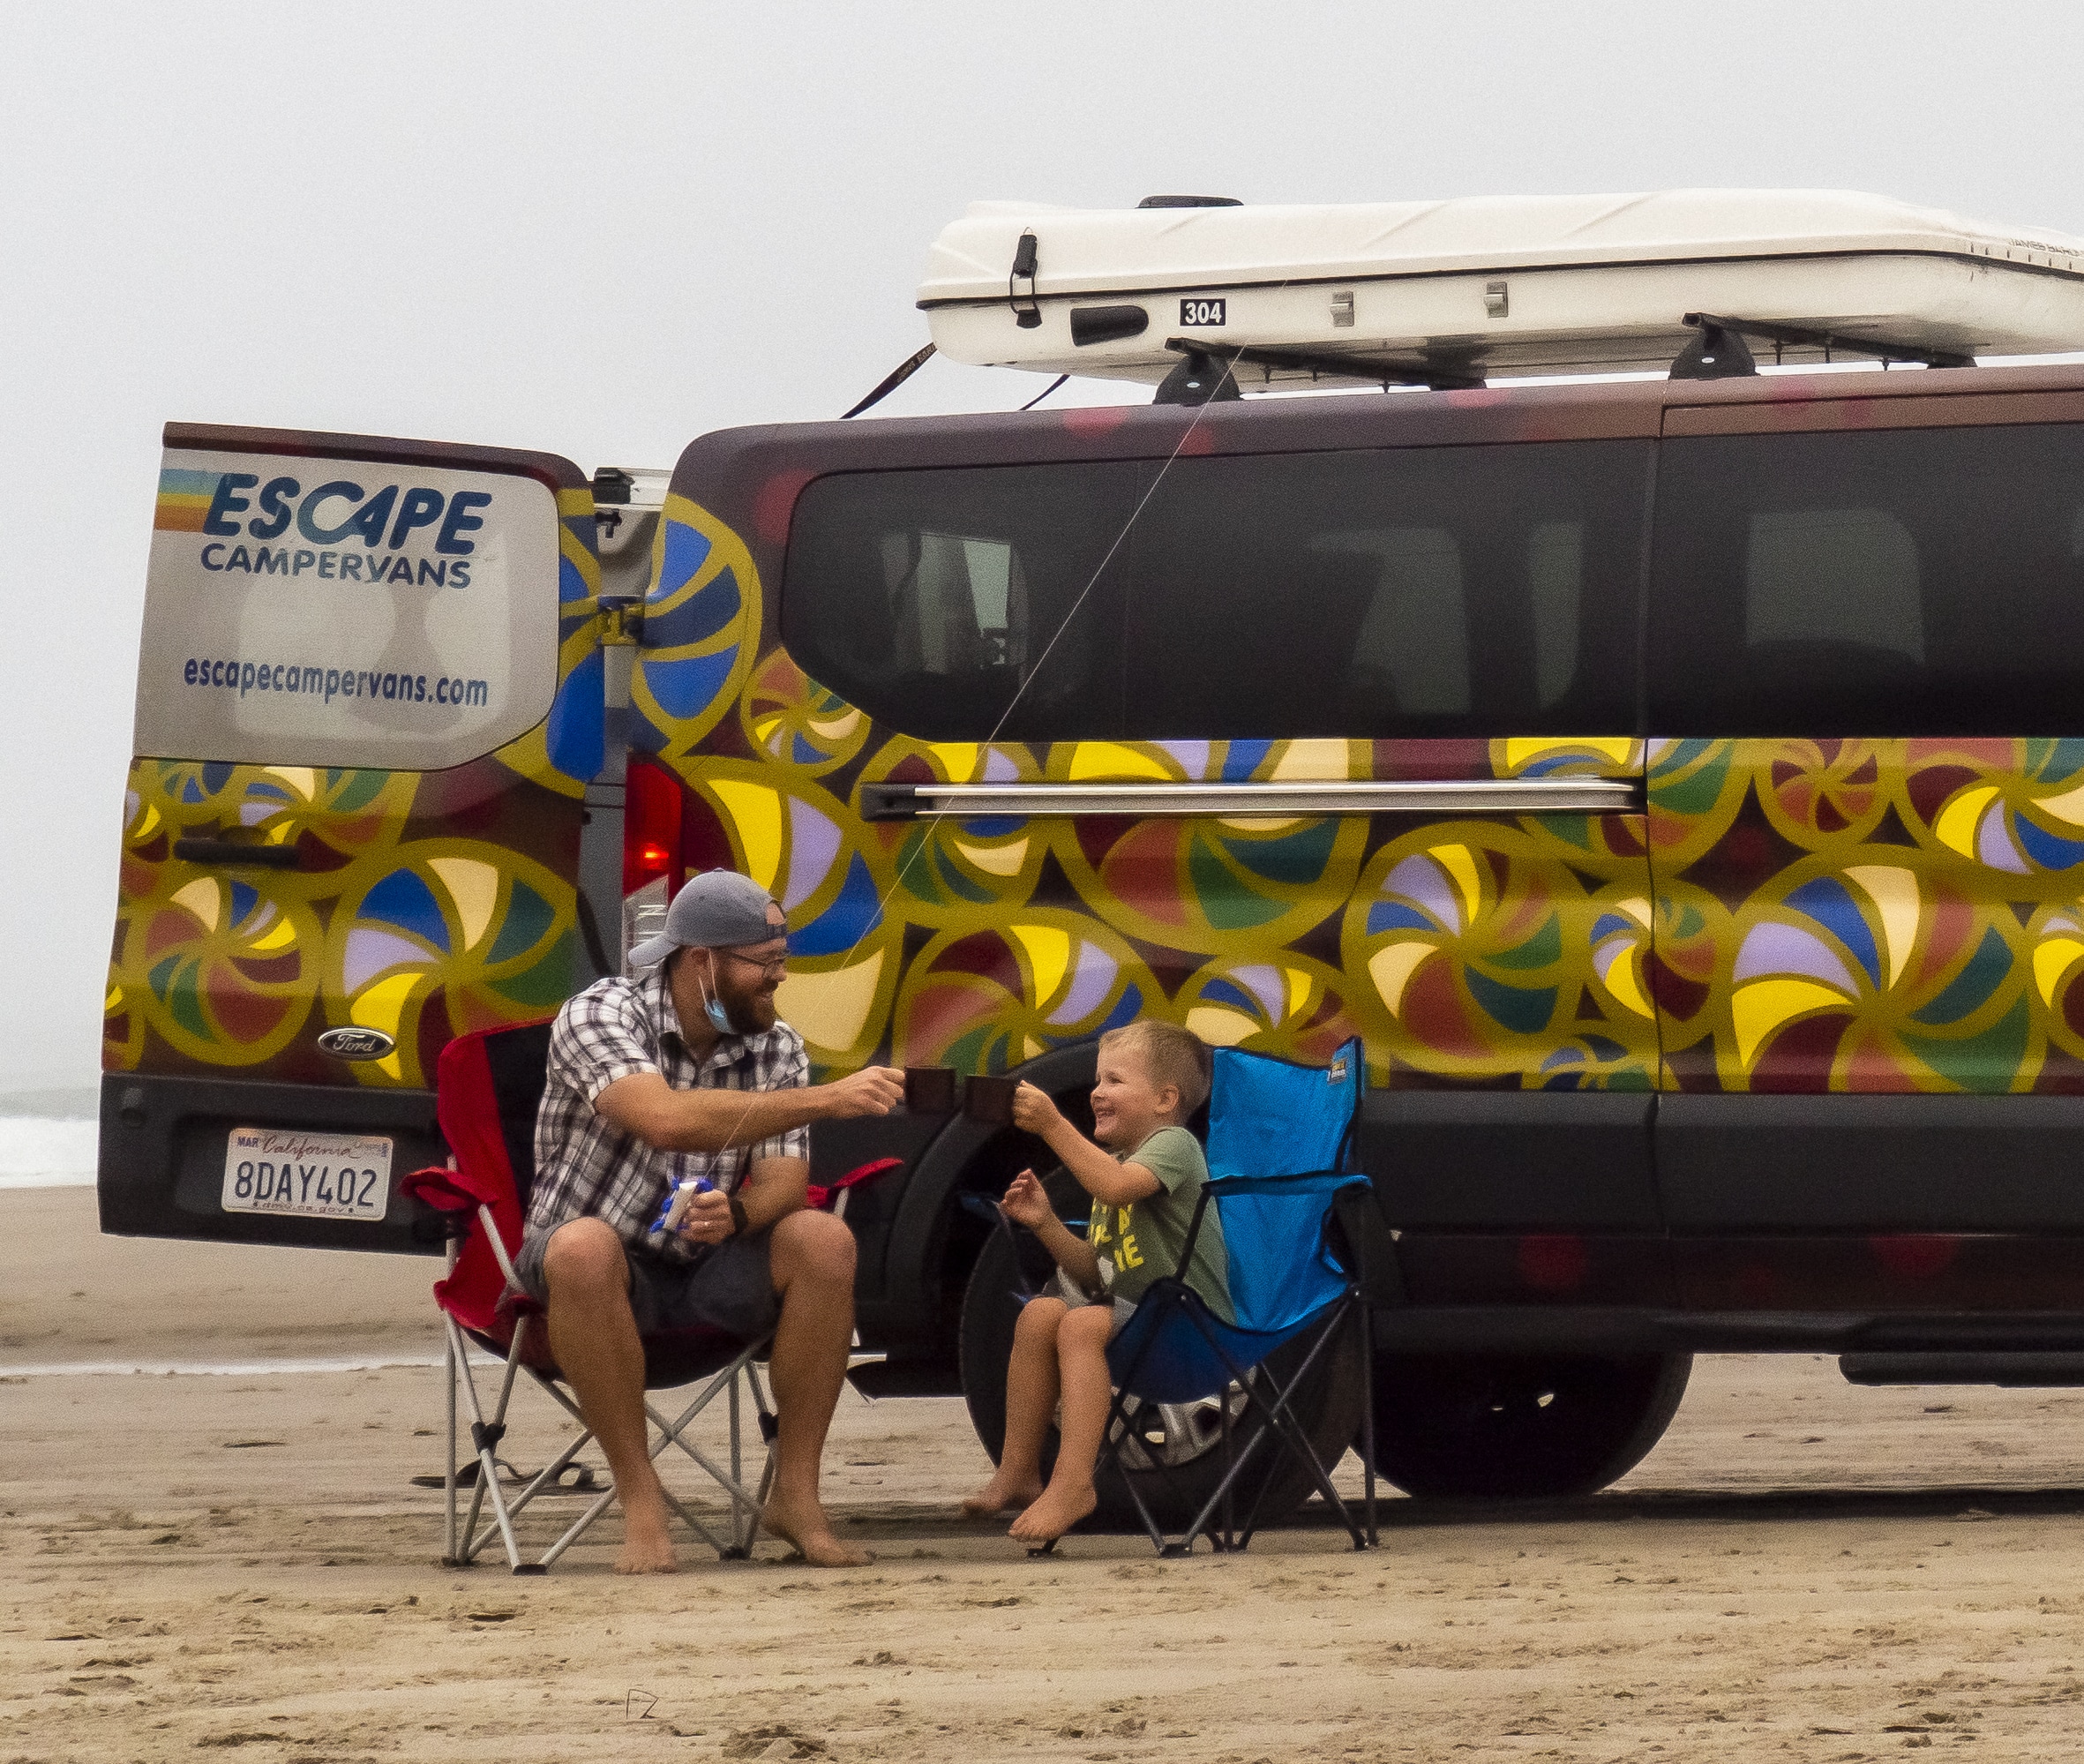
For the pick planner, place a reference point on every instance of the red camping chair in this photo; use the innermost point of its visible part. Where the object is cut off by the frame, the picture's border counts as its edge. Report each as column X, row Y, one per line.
column 488, row 1086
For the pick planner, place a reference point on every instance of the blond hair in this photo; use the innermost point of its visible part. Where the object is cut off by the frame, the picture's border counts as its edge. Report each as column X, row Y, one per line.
column 1172, row 1056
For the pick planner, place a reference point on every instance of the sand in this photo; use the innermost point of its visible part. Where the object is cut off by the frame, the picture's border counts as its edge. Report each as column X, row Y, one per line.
column 193, row 1564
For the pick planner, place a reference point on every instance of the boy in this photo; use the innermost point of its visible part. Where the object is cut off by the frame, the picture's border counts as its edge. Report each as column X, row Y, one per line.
column 1144, row 1184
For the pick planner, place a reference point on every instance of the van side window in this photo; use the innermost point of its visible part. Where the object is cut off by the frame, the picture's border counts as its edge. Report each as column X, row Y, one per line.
column 1481, row 590
column 1905, row 582
column 1412, row 648
column 1555, row 577
column 953, row 604
column 1405, row 592
column 1833, row 576
column 943, row 602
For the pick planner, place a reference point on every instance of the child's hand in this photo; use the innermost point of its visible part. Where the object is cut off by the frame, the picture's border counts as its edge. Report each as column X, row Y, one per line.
column 1033, row 1112
column 1024, row 1202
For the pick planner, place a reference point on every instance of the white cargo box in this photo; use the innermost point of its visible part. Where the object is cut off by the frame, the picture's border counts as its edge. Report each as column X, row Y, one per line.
column 1481, row 286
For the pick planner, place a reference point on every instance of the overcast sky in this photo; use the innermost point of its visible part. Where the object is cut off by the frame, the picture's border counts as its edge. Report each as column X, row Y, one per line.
column 603, row 229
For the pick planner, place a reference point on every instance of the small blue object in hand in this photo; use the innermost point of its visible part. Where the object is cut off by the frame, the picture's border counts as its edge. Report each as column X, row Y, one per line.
column 673, row 1208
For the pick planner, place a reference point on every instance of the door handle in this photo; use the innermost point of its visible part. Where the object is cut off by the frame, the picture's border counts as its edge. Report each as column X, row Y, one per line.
column 231, row 854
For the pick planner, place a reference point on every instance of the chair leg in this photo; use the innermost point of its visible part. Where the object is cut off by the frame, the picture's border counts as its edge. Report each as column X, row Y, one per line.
column 495, row 1431
column 1296, row 1438
column 486, row 1436
column 1111, row 1436
column 737, row 1470
column 1279, row 1420
column 770, row 1427
column 1367, row 1420
column 448, row 1479
column 746, row 1503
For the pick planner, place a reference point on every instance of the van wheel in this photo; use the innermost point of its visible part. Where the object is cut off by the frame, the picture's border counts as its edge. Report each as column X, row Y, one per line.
column 1482, row 1425
column 1186, row 1438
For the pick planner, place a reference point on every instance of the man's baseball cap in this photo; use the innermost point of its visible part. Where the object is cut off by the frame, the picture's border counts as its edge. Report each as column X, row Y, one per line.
column 717, row 909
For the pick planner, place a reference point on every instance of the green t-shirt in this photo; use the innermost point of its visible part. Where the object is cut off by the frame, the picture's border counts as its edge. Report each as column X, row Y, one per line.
column 1140, row 1242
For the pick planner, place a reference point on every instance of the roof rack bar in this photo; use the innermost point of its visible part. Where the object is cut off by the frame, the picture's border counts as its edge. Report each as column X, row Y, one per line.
column 1805, row 336
column 1385, row 370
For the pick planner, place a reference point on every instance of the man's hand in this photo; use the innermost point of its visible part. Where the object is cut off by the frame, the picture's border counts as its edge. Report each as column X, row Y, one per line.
column 1033, row 1110
column 707, row 1218
column 1025, row 1203
column 874, row 1090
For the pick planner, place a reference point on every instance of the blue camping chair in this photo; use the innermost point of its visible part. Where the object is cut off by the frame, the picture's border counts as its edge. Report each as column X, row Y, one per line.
column 1280, row 1139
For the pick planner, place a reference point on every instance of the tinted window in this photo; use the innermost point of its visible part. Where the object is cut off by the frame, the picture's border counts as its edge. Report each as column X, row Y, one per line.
column 1922, row 581
column 1412, row 591
column 943, row 602
column 1421, row 591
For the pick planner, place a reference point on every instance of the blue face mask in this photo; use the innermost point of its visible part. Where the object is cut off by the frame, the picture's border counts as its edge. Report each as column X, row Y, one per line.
column 713, row 1009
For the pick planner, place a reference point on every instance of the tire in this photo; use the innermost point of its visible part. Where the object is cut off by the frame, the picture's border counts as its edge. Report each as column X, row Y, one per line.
column 1502, row 1426
column 1187, row 1437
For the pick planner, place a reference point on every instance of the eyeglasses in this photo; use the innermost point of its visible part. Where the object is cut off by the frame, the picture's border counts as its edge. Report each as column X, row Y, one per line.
column 775, row 968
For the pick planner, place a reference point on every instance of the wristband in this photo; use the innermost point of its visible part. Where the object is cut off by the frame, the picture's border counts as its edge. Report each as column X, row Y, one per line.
column 738, row 1216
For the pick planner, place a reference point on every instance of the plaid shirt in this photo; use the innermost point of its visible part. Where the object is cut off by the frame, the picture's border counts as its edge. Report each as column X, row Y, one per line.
column 587, row 1167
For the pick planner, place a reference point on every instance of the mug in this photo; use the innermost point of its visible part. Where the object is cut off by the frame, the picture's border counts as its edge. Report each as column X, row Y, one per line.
column 930, row 1090
column 990, row 1099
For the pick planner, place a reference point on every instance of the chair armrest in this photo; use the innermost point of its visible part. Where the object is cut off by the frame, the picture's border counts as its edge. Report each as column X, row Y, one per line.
column 820, row 1197
column 447, row 1191
column 1365, row 1245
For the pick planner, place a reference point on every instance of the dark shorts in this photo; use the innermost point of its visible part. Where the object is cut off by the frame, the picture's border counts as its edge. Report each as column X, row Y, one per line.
column 727, row 1286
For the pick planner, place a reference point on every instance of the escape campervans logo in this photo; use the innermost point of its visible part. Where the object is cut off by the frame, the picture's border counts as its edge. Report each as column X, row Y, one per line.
column 249, row 524
column 309, row 610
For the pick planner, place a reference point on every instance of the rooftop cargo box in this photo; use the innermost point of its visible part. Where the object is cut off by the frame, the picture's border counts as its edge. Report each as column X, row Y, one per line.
column 1463, row 291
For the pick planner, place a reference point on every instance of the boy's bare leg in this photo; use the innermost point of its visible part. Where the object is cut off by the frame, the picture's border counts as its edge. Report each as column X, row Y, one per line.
column 812, row 1260
column 593, row 1337
column 1088, row 1392
column 1031, row 1406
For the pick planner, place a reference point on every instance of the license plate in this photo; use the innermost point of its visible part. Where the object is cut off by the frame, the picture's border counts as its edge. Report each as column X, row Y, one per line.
column 307, row 1176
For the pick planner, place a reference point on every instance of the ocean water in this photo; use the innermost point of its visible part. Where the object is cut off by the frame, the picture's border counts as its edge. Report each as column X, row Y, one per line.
column 41, row 1152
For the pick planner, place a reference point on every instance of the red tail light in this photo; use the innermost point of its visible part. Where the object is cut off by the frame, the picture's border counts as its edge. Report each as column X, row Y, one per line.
column 651, row 828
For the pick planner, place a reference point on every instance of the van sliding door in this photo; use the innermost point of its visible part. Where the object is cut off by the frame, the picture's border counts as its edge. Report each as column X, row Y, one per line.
column 1448, row 636
column 1867, row 815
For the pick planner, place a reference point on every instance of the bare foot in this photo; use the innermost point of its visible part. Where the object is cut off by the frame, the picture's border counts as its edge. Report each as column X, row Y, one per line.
column 646, row 1546
column 1057, row 1511
column 806, row 1527
column 1002, row 1495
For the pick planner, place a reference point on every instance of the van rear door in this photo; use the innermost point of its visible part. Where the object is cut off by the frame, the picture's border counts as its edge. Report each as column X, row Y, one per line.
column 369, row 702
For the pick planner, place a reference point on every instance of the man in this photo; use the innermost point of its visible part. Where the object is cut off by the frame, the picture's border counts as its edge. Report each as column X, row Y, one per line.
column 685, row 1072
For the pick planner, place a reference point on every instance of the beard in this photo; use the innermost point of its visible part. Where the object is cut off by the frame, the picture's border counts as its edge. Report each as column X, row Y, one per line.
column 751, row 1012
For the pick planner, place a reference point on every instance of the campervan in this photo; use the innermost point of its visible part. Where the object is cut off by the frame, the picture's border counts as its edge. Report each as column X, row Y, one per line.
column 1676, row 780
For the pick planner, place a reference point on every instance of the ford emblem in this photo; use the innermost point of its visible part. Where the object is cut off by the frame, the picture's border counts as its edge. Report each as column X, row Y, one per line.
column 352, row 1043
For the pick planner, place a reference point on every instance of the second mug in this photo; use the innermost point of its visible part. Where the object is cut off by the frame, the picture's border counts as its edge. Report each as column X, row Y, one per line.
column 990, row 1099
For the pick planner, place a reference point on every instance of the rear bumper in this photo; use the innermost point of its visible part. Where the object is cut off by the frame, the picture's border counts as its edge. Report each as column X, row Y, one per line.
column 161, row 1165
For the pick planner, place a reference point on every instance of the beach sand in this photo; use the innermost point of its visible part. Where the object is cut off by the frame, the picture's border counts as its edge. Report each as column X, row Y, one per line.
column 193, row 1564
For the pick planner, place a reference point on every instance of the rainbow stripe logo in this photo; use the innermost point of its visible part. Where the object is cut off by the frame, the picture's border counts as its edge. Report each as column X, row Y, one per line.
column 184, row 498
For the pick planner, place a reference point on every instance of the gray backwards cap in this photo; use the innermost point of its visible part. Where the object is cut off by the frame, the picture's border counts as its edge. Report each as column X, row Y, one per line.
column 717, row 909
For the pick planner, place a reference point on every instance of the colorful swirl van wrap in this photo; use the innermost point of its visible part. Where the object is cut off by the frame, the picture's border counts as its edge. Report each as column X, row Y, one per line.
column 1871, row 916
column 1491, row 950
